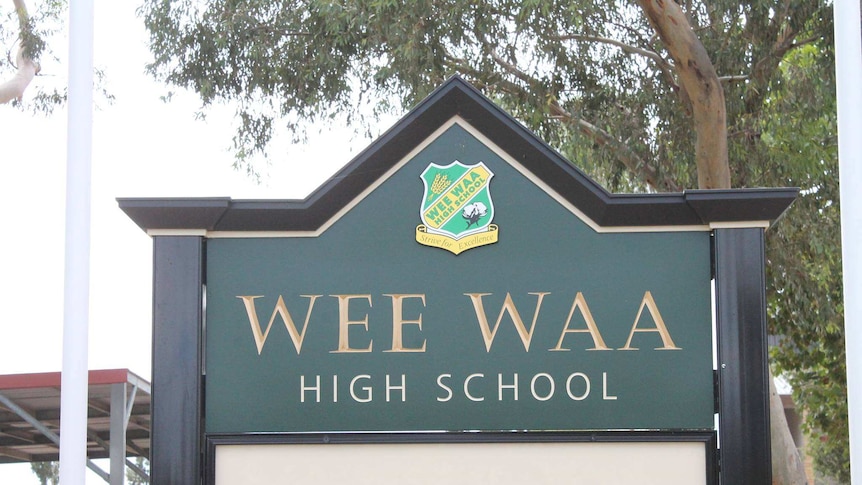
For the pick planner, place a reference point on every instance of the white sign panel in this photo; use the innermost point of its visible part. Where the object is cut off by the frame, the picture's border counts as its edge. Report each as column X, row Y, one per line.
column 671, row 463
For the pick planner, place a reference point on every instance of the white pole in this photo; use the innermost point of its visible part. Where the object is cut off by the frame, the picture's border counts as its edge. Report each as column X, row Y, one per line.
column 73, row 399
column 848, row 67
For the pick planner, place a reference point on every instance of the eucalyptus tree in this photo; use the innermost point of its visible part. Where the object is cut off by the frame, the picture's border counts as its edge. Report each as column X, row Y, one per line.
column 46, row 471
column 27, row 51
column 25, row 33
column 645, row 95
column 797, row 132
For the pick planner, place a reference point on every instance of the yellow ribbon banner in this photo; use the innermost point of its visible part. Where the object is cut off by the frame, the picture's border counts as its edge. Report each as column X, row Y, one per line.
column 457, row 246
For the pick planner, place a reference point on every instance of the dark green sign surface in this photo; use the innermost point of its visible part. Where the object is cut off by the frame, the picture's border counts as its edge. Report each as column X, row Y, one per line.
column 615, row 328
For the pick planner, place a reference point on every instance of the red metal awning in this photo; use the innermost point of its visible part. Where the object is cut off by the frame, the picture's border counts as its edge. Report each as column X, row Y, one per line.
column 30, row 415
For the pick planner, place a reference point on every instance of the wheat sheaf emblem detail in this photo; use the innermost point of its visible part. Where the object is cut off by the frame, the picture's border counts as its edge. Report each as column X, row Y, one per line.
column 441, row 182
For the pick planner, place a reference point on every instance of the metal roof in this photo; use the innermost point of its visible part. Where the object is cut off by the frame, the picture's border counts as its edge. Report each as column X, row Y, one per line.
column 30, row 415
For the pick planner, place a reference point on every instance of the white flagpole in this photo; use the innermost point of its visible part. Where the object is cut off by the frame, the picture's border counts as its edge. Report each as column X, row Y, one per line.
column 73, row 400
column 848, row 68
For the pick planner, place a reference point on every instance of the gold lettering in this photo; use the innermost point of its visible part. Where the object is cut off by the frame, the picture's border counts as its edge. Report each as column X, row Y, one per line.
column 660, row 327
column 280, row 309
column 488, row 334
column 580, row 303
column 344, row 324
column 398, row 323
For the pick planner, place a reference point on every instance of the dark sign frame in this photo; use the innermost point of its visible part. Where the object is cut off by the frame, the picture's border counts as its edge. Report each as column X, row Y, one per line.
column 737, row 220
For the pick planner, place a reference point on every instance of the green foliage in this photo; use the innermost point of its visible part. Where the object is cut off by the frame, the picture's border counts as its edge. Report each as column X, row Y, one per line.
column 804, row 252
column 304, row 61
column 132, row 477
column 33, row 33
column 46, row 471
column 593, row 80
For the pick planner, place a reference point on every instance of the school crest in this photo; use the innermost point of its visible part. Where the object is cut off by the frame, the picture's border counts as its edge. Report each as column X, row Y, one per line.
column 456, row 209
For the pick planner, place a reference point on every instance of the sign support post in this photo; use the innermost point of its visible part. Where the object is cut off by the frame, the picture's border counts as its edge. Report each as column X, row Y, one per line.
column 742, row 372
column 177, row 360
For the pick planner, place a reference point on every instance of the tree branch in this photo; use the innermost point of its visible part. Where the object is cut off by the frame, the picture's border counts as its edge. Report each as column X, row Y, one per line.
column 663, row 65
column 623, row 152
column 272, row 30
column 800, row 43
column 785, row 40
column 512, row 69
column 27, row 69
column 622, row 45
column 730, row 79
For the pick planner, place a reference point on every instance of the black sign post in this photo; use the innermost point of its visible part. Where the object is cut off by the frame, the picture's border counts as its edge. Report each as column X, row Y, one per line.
column 742, row 356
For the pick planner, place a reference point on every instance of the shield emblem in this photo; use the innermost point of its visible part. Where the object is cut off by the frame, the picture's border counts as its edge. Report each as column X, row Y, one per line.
column 456, row 209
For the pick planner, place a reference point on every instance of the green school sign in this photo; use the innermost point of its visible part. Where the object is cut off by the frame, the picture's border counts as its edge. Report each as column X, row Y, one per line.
column 366, row 328
column 460, row 281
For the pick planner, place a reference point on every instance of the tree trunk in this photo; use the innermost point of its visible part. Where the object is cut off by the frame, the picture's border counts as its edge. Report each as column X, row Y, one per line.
column 702, row 90
column 701, row 87
column 787, row 467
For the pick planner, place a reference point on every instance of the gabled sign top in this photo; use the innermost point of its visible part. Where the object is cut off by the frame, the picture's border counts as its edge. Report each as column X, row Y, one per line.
column 456, row 101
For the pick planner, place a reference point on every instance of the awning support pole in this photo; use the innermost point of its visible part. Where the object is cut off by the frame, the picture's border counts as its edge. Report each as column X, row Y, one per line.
column 118, row 433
